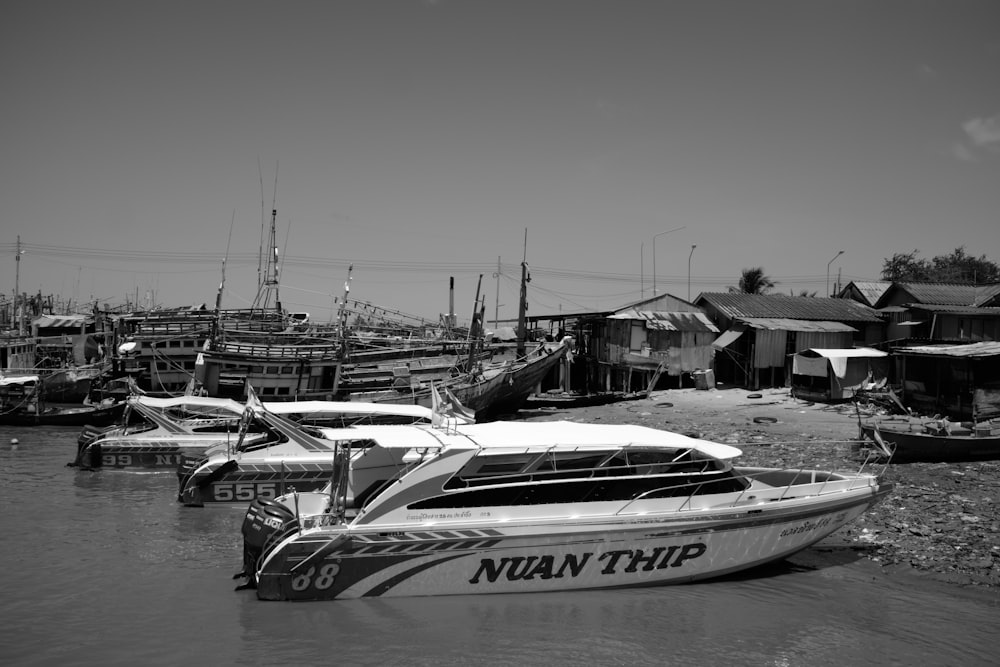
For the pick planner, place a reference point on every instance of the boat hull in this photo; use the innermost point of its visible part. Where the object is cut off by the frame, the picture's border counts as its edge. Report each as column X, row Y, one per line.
column 329, row 563
column 75, row 416
column 236, row 481
column 145, row 454
column 915, row 446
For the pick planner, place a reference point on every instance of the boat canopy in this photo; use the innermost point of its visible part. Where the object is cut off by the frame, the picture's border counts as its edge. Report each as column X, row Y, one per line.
column 516, row 436
column 347, row 408
column 197, row 402
column 19, row 380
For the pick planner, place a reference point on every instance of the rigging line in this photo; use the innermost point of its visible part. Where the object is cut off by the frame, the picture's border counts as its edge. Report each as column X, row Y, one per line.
column 281, row 267
column 260, row 246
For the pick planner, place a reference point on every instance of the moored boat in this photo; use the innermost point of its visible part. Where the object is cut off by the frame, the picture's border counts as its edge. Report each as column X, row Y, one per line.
column 298, row 449
column 156, row 433
column 903, row 439
column 514, row 507
column 21, row 404
column 491, row 392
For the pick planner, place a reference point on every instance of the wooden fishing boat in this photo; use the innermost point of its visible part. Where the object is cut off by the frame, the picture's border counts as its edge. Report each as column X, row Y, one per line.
column 21, row 405
column 909, row 439
column 491, row 391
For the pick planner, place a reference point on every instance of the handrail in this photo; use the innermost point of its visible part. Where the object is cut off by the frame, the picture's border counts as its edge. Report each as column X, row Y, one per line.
column 796, row 472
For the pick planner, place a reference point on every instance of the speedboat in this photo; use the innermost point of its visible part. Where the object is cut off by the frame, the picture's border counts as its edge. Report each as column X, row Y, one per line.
column 164, row 433
column 293, row 452
column 516, row 507
column 156, row 433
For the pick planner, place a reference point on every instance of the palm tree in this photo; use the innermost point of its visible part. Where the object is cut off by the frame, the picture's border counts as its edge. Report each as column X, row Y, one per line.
column 753, row 281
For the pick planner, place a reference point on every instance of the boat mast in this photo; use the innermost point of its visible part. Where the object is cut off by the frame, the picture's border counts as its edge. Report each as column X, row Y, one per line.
column 17, row 289
column 522, row 332
column 267, row 295
column 342, row 331
column 496, row 313
column 476, row 328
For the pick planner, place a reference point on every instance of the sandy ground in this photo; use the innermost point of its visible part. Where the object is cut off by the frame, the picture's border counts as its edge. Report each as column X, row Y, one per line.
column 942, row 521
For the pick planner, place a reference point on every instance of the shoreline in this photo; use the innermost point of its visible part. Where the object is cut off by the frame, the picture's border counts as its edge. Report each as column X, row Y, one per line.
column 941, row 523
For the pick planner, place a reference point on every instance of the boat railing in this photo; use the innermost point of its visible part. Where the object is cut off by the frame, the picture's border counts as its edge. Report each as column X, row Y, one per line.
column 279, row 351
column 790, row 479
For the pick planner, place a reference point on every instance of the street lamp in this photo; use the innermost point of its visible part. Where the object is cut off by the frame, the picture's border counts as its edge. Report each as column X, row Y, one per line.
column 828, row 271
column 654, row 253
column 689, row 271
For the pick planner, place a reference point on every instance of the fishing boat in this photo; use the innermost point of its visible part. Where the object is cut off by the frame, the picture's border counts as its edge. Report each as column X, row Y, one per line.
column 298, row 449
column 904, row 439
column 21, row 404
column 516, row 507
column 490, row 391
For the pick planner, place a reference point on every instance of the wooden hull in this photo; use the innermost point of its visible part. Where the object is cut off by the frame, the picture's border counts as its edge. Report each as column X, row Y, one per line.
column 915, row 446
column 76, row 416
column 499, row 391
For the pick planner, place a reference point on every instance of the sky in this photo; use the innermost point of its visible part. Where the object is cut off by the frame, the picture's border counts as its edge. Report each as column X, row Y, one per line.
column 417, row 141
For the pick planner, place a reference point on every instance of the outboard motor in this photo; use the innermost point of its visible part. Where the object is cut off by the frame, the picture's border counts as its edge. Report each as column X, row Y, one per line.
column 266, row 522
column 88, row 455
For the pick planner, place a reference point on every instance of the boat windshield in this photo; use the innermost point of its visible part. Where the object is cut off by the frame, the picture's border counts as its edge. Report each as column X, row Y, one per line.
column 586, row 475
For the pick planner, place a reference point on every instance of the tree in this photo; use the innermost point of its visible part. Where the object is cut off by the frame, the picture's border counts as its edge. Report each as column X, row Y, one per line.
column 961, row 268
column 753, row 281
column 958, row 267
column 905, row 267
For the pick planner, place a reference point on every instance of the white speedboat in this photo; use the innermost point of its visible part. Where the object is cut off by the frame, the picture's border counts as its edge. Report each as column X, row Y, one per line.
column 515, row 507
column 156, row 433
column 293, row 453
column 164, row 433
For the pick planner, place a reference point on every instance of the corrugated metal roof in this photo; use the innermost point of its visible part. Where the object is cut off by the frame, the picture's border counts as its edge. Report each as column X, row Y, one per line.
column 785, row 324
column 948, row 294
column 871, row 291
column 965, row 310
column 669, row 321
column 989, row 348
column 791, row 307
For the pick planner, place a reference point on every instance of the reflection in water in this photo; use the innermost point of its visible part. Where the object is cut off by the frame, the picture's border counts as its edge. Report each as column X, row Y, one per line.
column 129, row 576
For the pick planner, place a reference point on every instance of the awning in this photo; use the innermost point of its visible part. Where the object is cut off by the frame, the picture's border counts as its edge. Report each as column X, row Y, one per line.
column 847, row 352
column 61, row 321
column 727, row 338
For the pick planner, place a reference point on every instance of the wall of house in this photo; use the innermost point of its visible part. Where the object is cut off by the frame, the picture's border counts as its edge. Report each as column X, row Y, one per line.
column 967, row 328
